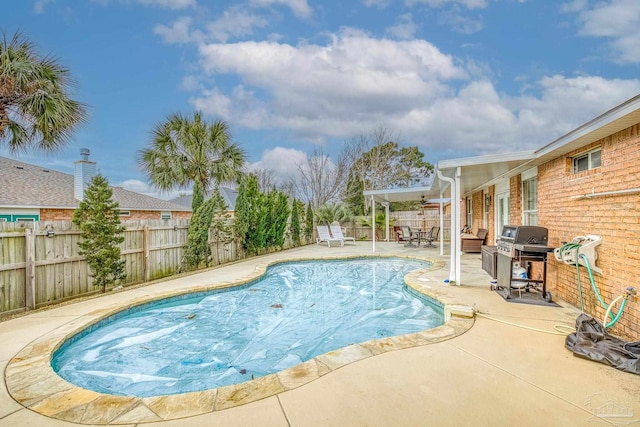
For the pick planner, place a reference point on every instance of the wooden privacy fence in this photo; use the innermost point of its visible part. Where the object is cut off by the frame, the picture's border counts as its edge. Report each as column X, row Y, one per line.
column 40, row 263
column 418, row 220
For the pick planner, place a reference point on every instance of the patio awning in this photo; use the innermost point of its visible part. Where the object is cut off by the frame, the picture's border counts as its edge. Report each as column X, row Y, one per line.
column 458, row 178
column 454, row 179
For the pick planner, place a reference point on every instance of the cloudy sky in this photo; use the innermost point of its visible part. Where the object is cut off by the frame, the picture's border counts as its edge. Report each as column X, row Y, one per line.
column 457, row 78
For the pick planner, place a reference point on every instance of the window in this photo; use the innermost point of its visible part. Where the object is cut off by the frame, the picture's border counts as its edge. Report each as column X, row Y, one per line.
column 125, row 213
column 469, row 212
column 530, row 201
column 165, row 215
column 587, row 161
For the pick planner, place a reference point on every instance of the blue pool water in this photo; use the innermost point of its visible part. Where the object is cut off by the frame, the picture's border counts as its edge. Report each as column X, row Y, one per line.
column 295, row 312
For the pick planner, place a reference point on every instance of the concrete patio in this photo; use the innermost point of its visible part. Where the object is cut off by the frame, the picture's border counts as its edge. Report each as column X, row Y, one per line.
column 495, row 374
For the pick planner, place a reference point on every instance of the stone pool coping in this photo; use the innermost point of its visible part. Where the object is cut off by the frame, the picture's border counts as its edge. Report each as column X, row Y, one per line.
column 33, row 383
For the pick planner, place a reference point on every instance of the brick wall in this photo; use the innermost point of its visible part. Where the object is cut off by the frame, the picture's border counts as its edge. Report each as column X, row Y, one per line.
column 67, row 215
column 491, row 221
column 515, row 200
column 616, row 218
column 56, row 214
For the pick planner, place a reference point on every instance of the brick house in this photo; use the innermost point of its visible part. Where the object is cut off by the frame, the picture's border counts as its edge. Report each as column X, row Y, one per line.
column 33, row 193
column 585, row 182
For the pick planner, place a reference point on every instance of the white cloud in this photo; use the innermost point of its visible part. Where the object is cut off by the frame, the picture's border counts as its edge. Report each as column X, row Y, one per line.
column 178, row 32
column 469, row 4
column 325, row 89
column 235, row 22
column 404, row 29
column 460, row 23
column 300, row 8
column 169, row 4
column 380, row 4
column 354, row 83
column 616, row 20
column 40, row 5
column 282, row 161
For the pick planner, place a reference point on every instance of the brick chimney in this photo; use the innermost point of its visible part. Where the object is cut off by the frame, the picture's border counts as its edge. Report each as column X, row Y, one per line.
column 84, row 172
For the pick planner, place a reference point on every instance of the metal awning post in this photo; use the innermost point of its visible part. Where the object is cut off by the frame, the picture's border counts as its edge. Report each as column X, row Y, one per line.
column 453, row 225
column 441, row 223
column 386, row 211
column 373, row 223
column 457, row 229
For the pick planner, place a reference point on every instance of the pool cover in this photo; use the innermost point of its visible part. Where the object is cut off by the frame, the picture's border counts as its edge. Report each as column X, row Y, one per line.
column 592, row 341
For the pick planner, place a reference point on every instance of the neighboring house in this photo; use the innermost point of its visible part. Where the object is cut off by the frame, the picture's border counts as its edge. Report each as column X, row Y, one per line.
column 228, row 194
column 33, row 193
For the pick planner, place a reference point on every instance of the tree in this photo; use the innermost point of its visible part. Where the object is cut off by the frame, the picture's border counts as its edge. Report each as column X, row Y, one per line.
column 319, row 179
column 246, row 213
column 197, row 198
column 197, row 250
column 277, row 218
column 101, row 233
column 296, row 206
column 379, row 162
column 308, row 223
column 326, row 214
column 354, row 194
column 35, row 108
column 188, row 151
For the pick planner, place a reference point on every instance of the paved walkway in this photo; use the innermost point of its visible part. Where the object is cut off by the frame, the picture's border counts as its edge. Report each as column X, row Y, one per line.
column 496, row 374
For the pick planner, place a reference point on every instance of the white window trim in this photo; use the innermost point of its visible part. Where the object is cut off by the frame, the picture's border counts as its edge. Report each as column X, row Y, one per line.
column 527, row 212
column 586, row 154
column 166, row 215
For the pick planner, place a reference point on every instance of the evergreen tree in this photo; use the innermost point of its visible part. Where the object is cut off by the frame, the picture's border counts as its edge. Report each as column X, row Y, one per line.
column 295, row 222
column 197, row 250
column 247, row 212
column 353, row 196
column 101, row 233
column 308, row 229
column 197, row 199
column 278, row 218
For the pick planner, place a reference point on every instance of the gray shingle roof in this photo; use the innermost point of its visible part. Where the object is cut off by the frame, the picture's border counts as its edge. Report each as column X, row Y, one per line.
column 228, row 194
column 26, row 185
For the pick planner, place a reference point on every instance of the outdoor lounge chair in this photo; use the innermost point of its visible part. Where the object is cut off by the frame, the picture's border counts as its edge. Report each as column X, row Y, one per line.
column 325, row 236
column 336, row 232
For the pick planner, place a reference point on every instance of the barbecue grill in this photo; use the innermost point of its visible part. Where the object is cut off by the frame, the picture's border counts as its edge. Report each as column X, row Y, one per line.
column 523, row 245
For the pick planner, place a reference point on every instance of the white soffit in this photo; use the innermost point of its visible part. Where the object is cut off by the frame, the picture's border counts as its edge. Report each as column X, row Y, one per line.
column 404, row 194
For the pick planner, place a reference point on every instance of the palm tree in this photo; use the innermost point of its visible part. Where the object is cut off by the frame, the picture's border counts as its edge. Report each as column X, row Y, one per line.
column 35, row 110
column 189, row 151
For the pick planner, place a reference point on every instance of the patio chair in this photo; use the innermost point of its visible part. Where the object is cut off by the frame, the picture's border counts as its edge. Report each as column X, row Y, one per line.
column 408, row 235
column 431, row 236
column 325, row 236
column 336, row 232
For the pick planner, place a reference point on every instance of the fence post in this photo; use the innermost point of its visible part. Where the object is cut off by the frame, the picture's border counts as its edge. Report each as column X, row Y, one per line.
column 30, row 269
column 146, row 251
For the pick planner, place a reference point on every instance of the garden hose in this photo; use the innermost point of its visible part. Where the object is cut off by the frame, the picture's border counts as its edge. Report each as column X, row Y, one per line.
column 609, row 308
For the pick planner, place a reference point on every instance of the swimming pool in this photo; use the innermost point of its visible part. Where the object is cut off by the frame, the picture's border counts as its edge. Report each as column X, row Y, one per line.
column 200, row 341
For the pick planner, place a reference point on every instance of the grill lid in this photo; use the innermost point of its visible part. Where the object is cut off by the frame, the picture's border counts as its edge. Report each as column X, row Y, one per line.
column 525, row 234
column 508, row 232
